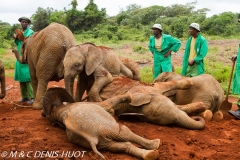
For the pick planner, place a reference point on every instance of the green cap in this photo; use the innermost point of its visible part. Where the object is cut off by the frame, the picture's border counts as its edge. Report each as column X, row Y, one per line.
column 24, row 18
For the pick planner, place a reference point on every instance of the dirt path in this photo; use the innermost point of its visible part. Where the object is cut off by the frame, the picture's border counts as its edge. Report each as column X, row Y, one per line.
column 25, row 130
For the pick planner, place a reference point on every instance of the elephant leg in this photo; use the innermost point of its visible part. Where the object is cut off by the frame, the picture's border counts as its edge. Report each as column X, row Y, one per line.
column 207, row 115
column 125, row 71
column 129, row 148
column 165, row 88
column 192, row 108
column 125, row 134
column 217, row 116
column 41, row 89
column 102, row 77
column 113, row 102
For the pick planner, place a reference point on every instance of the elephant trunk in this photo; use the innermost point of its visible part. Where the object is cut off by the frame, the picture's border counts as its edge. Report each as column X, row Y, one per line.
column 69, row 81
column 3, row 84
column 19, row 58
column 195, row 122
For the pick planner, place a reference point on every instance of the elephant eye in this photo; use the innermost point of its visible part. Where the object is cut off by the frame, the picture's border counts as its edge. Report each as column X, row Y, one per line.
column 77, row 64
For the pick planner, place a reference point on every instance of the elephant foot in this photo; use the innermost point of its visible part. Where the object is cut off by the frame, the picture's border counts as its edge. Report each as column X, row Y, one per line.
column 217, row 116
column 207, row 115
column 37, row 106
column 151, row 155
column 154, row 144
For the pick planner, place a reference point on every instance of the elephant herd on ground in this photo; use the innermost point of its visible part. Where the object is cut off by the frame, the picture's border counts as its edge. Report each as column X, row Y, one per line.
column 113, row 88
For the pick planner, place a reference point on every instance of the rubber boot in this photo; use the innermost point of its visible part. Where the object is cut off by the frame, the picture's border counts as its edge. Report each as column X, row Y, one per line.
column 235, row 113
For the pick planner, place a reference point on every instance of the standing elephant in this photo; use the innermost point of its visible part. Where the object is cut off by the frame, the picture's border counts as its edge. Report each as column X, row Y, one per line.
column 205, row 89
column 91, row 62
column 44, row 52
column 150, row 101
column 89, row 125
column 3, row 81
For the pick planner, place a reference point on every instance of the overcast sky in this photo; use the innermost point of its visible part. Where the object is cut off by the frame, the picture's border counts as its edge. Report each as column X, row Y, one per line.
column 11, row 10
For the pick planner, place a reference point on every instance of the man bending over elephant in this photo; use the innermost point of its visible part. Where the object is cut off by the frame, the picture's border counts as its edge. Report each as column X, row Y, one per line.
column 22, row 73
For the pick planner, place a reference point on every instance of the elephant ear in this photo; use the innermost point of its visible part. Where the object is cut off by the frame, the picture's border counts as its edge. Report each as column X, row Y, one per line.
column 93, row 58
column 55, row 97
column 139, row 99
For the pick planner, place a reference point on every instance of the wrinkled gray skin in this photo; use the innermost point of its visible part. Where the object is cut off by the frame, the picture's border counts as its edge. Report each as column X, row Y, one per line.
column 150, row 101
column 44, row 52
column 89, row 125
column 205, row 89
column 2, row 81
column 88, row 60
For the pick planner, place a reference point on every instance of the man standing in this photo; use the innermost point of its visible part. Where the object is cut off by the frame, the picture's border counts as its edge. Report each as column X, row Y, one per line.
column 236, row 83
column 195, row 51
column 161, row 46
column 22, row 73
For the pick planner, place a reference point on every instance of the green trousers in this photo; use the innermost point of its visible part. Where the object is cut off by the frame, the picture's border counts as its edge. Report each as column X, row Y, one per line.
column 192, row 71
column 26, row 90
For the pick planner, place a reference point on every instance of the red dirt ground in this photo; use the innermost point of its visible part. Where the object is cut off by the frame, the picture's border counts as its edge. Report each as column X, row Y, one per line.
column 25, row 130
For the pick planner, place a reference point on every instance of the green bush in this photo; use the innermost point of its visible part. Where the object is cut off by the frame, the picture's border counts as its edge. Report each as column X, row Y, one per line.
column 146, row 74
column 2, row 51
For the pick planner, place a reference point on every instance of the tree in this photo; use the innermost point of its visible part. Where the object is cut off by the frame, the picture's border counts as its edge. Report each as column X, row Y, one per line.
column 41, row 18
column 59, row 17
column 93, row 16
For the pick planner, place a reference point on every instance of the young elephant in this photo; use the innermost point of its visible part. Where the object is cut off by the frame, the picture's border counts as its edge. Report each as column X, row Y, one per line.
column 150, row 101
column 89, row 125
column 205, row 89
column 87, row 60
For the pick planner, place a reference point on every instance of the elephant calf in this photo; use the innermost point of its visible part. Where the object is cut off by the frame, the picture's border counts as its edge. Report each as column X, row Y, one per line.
column 205, row 89
column 150, row 101
column 89, row 124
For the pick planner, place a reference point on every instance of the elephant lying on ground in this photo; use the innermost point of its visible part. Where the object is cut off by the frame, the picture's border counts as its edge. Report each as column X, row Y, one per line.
column 205, row 89
column 44, row 52
column 87, row 60
column 150, row 101
column 89, row 125
column 133, row 66
column 129, row 63
column 3, row 81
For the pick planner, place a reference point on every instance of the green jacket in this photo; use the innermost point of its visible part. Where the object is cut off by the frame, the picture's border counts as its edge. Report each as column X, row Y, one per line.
column 168, row 43
column 236, row 77
column 201, row 48
column 22, row 73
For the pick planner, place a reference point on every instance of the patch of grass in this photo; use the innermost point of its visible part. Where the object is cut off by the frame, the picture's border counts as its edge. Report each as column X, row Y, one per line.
column 2, row 51
column 9, row 63
column 9, row 74
column 146, row 74
column 139, row 49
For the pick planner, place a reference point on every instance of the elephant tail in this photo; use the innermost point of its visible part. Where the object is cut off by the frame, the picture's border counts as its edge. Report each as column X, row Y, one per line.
column 55, row 97
column 194, row 122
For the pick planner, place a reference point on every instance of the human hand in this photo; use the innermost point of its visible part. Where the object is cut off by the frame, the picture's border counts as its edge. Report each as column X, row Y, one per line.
column 167, row 54
column 14, row 35
column 191, row 63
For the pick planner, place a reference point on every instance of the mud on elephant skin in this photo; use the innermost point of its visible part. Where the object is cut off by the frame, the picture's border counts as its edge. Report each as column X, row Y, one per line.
column 205, row 89
column 149, row 100
column 2, row 81
column 87, row 60
column 89, row 125
column 44, row 52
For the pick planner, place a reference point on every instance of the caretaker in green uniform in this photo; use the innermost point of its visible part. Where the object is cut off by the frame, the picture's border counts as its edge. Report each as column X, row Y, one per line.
column 236, row 83
column 195, row 51
column 22, row 73
column 161, row 46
